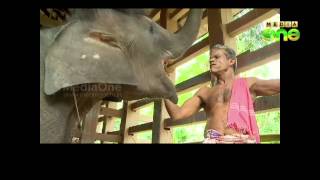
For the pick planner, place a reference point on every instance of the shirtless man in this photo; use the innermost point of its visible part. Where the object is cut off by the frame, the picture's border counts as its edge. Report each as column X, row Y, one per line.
column 215, row 100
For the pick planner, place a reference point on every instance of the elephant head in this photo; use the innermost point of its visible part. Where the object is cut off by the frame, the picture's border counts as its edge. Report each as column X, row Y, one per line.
column 108, row 46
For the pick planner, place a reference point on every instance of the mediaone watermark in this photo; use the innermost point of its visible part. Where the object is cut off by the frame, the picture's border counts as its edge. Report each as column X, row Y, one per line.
column 288, row 29
column 93, row 90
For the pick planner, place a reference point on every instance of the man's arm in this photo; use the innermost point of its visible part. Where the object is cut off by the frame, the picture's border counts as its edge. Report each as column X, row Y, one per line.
column 190, row 107
column 265, row 87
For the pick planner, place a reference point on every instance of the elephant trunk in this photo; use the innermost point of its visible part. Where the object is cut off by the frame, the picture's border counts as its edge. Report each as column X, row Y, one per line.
column 183, row 39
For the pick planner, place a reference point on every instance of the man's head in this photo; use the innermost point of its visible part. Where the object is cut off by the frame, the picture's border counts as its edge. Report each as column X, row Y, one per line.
column 222, row 58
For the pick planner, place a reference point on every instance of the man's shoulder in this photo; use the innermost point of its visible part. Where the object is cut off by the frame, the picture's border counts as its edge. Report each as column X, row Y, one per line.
column 203, row 90
column 250, row 80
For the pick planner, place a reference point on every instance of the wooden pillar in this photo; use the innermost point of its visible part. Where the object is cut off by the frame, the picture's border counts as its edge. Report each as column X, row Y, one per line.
column 159, row 134
column 131, row 117
column 156, row 125
column 123, row 121
column 104, row 127
column 217, row 20
column 164, row 18
column 90, row 124
column 110, row 120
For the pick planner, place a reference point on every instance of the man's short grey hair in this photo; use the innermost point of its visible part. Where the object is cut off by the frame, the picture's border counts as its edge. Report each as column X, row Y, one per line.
column 229, row 52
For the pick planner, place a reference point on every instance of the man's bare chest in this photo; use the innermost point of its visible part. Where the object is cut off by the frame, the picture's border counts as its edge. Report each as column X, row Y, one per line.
column 217, row 95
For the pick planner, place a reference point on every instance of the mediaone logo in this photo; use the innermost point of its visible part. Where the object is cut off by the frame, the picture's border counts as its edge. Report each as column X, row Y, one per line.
column 288, row 30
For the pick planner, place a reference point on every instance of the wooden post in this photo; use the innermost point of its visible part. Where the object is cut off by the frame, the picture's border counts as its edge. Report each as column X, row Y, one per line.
column 156, row 125
column 130, row 121
column 123, row 121
column 90, row 124
column 164, row 18
column 217, row 20
column 110, row 120
column 159, row 134
column 104, row 121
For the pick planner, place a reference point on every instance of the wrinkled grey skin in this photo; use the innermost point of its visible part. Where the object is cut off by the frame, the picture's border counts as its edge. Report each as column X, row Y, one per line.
column 104, row 46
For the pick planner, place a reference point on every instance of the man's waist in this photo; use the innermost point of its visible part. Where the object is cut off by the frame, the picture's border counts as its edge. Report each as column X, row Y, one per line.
column 215, row 136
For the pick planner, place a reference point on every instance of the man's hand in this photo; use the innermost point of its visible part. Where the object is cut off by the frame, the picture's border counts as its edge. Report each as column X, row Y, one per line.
column 190, row 107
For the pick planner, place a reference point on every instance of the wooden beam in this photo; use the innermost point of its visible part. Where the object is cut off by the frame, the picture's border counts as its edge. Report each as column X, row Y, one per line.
column 178, row 14
column 123, row 121
column 90, row 124
column 259, row 57
column 261, row 104
column 114, row 132
column 270, row 137
column 200, row 79
column 107, row 137
column 111, row 112
column 156, row 121
column 164, row 18
column 101, row 119
column 104, row 127
column 248, row 20
column 140, row 103
column 156, row 17
column 214, row 26
column 47, row 21
column 174, row 13
column 153, row 13
column 267, row 104
column 140, row 128
column 236, row 11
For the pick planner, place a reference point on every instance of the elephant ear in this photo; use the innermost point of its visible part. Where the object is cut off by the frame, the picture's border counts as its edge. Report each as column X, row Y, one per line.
column 71, row 60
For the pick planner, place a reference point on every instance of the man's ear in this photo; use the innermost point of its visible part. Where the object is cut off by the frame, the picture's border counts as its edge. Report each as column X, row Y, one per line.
column 232, row 62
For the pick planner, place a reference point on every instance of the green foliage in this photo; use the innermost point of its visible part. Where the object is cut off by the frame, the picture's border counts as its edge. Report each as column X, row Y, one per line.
column 117, row 123
column 194, row 67
column 190, row 133
column 252, row 39
column 269, row 122
column 144, row 137
column 148, row 110
column 185, row 96
column 270, row 70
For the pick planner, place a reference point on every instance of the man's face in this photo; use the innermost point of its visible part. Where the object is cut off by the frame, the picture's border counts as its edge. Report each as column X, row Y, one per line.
column 219, row 61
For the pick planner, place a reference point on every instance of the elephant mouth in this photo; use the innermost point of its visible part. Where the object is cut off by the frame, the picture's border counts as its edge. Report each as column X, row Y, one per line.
column 101, row 38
